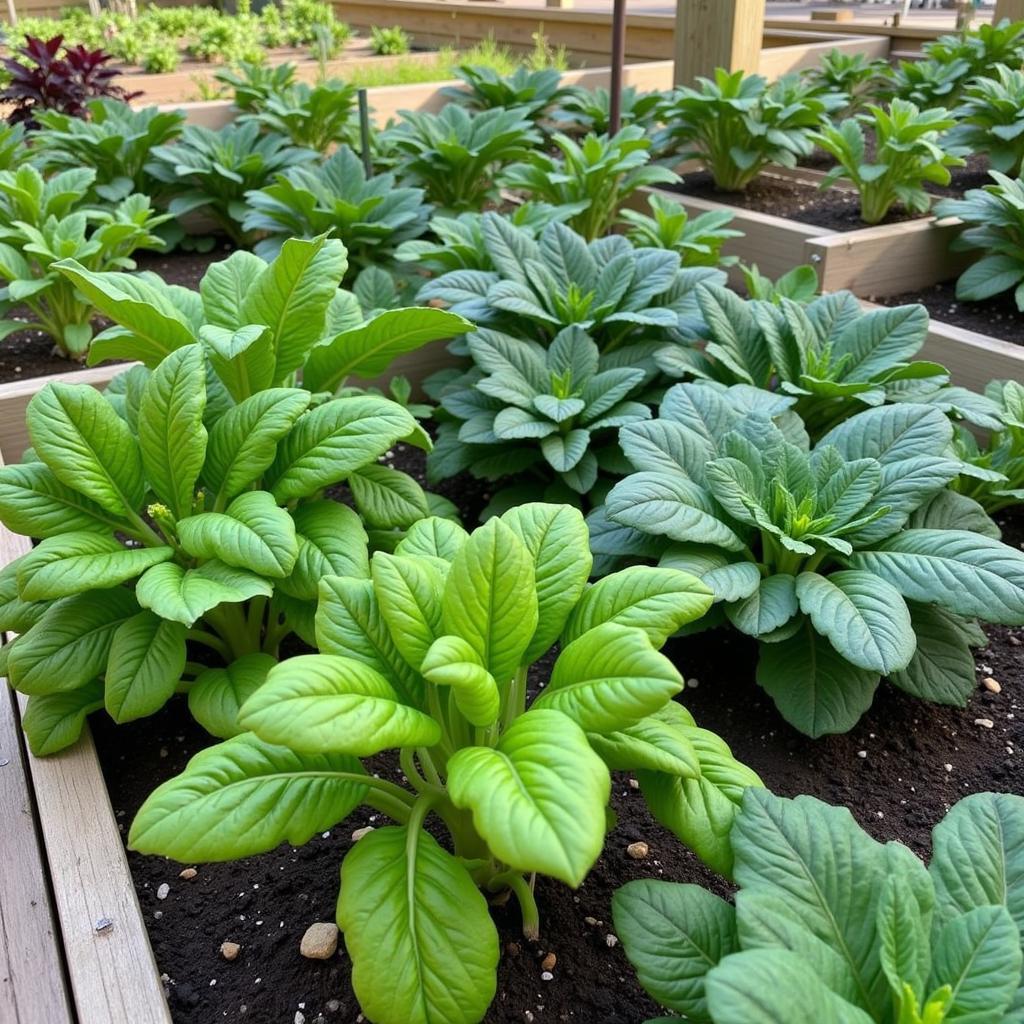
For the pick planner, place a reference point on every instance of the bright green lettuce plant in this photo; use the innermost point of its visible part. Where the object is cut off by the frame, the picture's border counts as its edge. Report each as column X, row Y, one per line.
column 831, row 355
column 531, row 90
column 316, row 117
column 588, row 111
column 189, row 506
column 546, row 416
column 209, row 172
column 830, row 925
column 45, row 221
column 994, row 219
column 115, row 141
column 909, row 152
column 369, row 214
column 623, row 297
column 847, row 561
column 598, row 174
column 698, row 240
column 990, row 119
column 994, row 470
column 737, row 124
column 455, row 155
column 427, row 652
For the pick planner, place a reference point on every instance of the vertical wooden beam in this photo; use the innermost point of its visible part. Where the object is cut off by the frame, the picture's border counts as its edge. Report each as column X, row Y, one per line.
column 1012, row 9
column 717, row 34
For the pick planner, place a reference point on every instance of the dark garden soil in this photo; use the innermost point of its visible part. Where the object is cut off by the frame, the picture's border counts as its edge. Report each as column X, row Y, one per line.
column 998, row 317
column 30, row 353
column 898, row 771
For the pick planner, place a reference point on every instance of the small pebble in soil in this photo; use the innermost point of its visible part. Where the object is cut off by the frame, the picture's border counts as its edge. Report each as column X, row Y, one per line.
column 320, row 941
column 693, row 683
column 611, row 941
column 991, row 685
column 162, row 891
column 862, row 753
column 230, row 950
column 948, row 767
column 300, row 1017
column 360, row 832
column 592, row 921
column 188, row 873
column 638, row 850
column 548, row 963
column 985, row 723
column 634, row 784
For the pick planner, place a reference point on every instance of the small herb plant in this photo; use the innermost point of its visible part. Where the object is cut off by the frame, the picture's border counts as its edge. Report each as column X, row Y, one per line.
column 994, row 216
column 597, row 174
column 370, row 215
column 926, row 83
column 553, row 412
column 532, row 91
column 908, row 153
column 990, row 119
column 313, row 117
column 41, row 78
column 738, row 124
column 389, row 42
column 588, row 111
column 854, row 75
column 617, row 294
column 211, row 171
column 456, row 155
column 847, row 561
column 188, row 505
column 830, row 925
column 253, row 84
column 44, row 221
column 427, row 652
column 698, row 240
column 994, row 472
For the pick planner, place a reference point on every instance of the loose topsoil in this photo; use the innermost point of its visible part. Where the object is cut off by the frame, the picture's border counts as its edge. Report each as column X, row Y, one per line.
column 899, row 771
column 30, row 353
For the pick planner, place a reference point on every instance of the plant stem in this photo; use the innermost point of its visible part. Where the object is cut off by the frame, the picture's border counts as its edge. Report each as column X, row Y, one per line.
column 211, row 640
column 527, row 902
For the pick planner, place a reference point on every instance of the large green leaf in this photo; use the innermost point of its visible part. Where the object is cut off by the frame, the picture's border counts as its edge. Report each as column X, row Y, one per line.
column 332, row 440
column 768, row 608
column 147, row 657
column 409, row 592
column 490, row 598
column 774, row 986
column 658, row 601
column 89, row 448
column 538, row 798
column 323, row 703
column 186, row 594
column 423, row 947
column 891, row 434
column 242, row 357
column 35, row 503
column 815, row 689
column 864, row 618
column 69, row 645
column 73, row 563
column 218, row 693
column 291, row 296
column 942, row 668
column 386, row 498
column 243, row 442
column 452, row 662
column 673, row 935
column 244, row 797
column 226, row 284
column 172, row 437
column 904, row 925
column 433, row 537
column 252, row 533
column 556, row 538
column 53, row 721
column 331, row 542
column 649, row 745
column 368, row 350
column 610, row 678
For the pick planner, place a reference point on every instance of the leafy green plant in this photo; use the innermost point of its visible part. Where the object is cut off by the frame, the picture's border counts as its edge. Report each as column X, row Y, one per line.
column 552, row 413
column 619, row 295
column 847, row 561
column 336, row 199
column 830, row 925
column 188, row 505
column 486, row 88
column 12, row 145
column 253, row 84
column 698, row 240
column 925, row 83
column 598, row 174
column 990, row 119
column 994, row 472
column 427, row 652
column 228, row 40
column 44, row 221
column 980, row 50
column 799, row 285
column 159, row 58
column 908, row 153
column 310, row 116
column 390, row 42
column 302, row 18
column 116, row 141
column 211, row 171
column 994, row 216
column 589, row 110
column 738, row 124
column 455, row 155
column 854, row 75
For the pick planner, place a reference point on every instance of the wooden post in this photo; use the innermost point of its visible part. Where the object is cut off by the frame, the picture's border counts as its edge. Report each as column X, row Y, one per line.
column 717, row 34
column 1012, row 9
